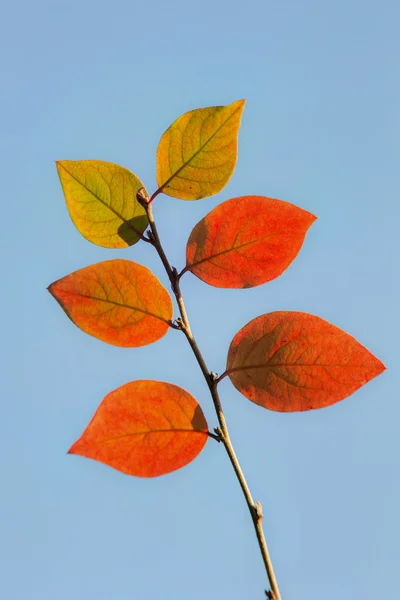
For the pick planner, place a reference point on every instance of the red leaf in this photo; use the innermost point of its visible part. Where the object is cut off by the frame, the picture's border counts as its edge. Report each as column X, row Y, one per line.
column 145, row 428
column 117, row 301
column 293, row 361
column 246, row 241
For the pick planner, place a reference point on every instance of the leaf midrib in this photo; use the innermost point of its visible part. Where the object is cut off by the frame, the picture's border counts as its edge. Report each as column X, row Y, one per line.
column 146, row 312
column 235, row 248
column 267, row 366
column 153, row 431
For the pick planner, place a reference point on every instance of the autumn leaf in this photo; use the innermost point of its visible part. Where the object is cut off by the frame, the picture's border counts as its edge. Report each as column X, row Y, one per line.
column 293, row 361
column 101, row 200
column 197, row 154
column 145, row 428
column 117, row 301
column 246, row 241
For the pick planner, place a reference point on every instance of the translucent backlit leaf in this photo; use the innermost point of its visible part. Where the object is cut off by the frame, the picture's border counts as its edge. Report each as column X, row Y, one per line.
column 145, row 428
column 101, row 200
column 197, row 154
column 293, row 361
column 117, row 301
column 246, row 241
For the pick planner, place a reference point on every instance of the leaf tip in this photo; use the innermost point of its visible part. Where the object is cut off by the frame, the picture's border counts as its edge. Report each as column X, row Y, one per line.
column 73, row 448
column 240, row 104
column 60, row 167
column 382, row 366
column 60, row 164
column 50, row 288
column 379, row 365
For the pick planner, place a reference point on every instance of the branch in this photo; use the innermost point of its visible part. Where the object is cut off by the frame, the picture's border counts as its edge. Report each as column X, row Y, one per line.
column 222, row 433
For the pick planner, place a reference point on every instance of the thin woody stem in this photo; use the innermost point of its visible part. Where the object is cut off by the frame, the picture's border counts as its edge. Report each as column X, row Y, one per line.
column 212, row 382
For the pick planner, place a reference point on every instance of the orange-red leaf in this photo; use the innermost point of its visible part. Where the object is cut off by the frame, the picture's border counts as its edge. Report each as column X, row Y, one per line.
column 117, row 301
column 197, row 154
column 292, row 361
column 145, row 428
column 101, row 200
column 246, row 241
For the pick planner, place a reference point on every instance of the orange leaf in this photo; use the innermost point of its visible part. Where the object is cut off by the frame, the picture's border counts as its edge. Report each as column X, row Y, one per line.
column 197, row 154
column 293, row 361
column 145, row 428
column 117, row 301
column 101, row 200
column 246, row 241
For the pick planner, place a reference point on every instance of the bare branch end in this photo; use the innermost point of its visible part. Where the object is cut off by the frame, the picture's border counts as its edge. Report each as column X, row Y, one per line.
column 142, row 197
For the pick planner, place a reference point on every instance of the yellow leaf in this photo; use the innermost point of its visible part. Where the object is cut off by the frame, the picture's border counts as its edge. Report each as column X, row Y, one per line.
column 101, row 200
column 197, row 154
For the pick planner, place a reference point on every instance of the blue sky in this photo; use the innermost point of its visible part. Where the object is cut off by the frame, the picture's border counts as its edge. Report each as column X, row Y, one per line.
column 321, row 129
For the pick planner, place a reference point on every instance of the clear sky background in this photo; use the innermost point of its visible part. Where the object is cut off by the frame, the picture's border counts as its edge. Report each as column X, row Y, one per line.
column 321, row 129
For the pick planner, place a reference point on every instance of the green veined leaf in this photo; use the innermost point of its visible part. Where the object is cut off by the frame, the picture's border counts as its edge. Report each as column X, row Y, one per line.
column 101, row 200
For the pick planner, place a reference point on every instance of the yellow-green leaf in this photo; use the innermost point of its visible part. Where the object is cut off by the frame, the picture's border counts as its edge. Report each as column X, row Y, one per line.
column 101, row 200
column 197, row 154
